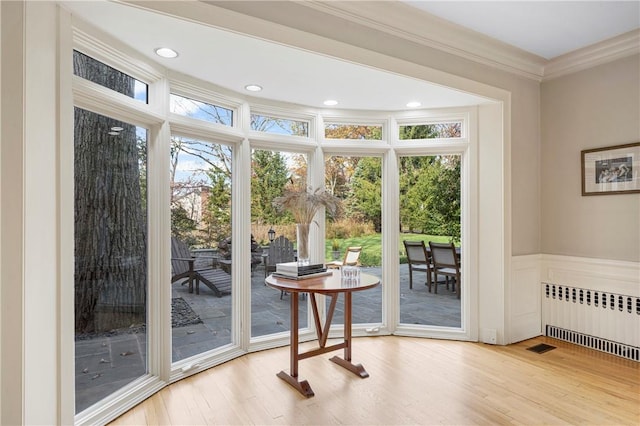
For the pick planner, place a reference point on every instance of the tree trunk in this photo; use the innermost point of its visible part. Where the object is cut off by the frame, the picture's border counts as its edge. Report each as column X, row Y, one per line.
column 110, row 224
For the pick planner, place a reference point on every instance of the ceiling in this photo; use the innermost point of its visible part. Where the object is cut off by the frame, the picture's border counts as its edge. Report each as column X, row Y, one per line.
column 544, row 28
column 291, row 75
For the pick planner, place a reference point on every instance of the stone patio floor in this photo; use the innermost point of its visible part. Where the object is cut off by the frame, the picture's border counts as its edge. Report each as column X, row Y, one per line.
column 107, row 363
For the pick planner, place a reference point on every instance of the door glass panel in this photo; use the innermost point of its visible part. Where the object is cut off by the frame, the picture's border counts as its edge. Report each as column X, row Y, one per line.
column 357, row 181
column 272, row 173
column 429, row 211
column 200, row 246
column 110, row 237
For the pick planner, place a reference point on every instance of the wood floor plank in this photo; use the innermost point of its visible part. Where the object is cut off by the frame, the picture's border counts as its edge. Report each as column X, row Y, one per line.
column 412, row 381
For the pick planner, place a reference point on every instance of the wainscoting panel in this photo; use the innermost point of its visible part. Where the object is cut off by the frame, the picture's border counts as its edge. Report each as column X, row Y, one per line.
column 595, row 274
column 527, row 295
column 524, row 297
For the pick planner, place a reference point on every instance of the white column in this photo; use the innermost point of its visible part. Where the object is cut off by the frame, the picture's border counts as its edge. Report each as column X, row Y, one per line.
column 30, row 274
column 494, row 252
column 390, row 226
column 241, row 231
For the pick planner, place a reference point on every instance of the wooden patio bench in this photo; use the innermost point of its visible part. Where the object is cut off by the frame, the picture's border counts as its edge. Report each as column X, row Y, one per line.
column 182, row 266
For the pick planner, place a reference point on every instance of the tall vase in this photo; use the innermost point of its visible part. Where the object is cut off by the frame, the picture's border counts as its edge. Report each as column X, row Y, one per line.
column 302, row 235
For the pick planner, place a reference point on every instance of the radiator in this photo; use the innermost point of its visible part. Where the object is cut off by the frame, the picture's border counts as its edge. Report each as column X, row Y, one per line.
column 607, row 322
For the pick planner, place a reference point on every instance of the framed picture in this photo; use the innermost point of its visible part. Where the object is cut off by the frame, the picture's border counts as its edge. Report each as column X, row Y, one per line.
column 611, row 170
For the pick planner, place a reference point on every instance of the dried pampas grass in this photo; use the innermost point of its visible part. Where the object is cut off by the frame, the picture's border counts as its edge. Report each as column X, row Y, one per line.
column 304, row 204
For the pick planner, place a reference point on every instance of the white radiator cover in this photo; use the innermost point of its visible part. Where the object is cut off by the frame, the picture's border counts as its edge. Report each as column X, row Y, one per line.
column 601, row 320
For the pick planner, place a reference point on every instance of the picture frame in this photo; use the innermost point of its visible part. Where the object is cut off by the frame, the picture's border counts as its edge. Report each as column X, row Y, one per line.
column 611, row 170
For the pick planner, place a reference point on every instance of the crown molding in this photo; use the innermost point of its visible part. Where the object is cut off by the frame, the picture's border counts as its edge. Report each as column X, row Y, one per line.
column 609, row 50
column 406, row 22
column 409, row 23
column 399, row 20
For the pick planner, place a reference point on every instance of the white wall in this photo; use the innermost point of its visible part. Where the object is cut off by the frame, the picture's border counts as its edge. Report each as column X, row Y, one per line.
column 594, row 108
column 492, row 226
column 1, row 259
column 40, row 215
column 12, row 192
column 29, row 222
column 593, row 241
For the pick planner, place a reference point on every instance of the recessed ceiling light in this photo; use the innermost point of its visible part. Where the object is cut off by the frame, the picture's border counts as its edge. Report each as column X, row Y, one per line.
column 413, row 104
column 117, row 129
column 165, row 52
column 330, row 102
column 253, row 87
column 114, row 133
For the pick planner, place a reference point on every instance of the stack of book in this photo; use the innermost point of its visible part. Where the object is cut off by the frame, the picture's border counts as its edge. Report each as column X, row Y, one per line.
column 294, row 271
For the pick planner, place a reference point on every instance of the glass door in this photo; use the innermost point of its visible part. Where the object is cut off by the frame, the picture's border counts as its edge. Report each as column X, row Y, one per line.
column 273, row 237
column 430, row 212
column 201, row 308
column 357, row 181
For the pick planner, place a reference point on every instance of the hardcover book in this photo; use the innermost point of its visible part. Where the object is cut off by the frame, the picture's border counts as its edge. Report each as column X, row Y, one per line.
column 302, row 277
column 293, row 267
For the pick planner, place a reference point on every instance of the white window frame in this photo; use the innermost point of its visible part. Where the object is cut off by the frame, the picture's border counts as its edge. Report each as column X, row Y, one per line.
column 156, row 117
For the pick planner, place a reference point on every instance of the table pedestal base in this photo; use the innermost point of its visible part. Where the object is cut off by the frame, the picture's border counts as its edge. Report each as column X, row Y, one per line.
column 356, row 369
column 305, row 389
column 302, row 387
column 331, row 287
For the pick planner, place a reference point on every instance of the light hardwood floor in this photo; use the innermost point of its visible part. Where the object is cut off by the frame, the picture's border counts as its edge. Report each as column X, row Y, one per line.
column 413, row 381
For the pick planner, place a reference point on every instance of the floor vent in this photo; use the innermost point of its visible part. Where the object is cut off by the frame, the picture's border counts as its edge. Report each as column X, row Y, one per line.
column 597, row 343
column 541, row 348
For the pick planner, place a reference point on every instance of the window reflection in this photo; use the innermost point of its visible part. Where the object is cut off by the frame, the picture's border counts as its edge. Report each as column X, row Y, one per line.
column 110, row 236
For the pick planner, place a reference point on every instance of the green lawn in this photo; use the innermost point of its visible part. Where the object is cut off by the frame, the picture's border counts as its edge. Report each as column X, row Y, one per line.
column 372, row 246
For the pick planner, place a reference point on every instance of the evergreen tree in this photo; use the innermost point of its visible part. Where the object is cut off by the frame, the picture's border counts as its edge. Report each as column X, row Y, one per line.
column 365, row 198
column 217, row 213
column 269, row 177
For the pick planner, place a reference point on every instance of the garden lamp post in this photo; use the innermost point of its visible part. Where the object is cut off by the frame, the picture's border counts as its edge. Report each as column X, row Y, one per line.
column 272, row 234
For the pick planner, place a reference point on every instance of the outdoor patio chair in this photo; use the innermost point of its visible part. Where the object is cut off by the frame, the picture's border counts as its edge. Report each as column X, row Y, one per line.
column 280, row 251
column 419, row 260
column 351, row 258
column 183, row 266
column 445, row 262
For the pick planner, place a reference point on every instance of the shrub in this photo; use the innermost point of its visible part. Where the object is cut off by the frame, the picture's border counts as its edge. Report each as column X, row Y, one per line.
column 349, row 228
column 261, row 232
column 370, row 259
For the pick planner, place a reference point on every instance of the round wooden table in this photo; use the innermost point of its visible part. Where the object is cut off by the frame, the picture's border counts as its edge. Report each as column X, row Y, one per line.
column 331, row 286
